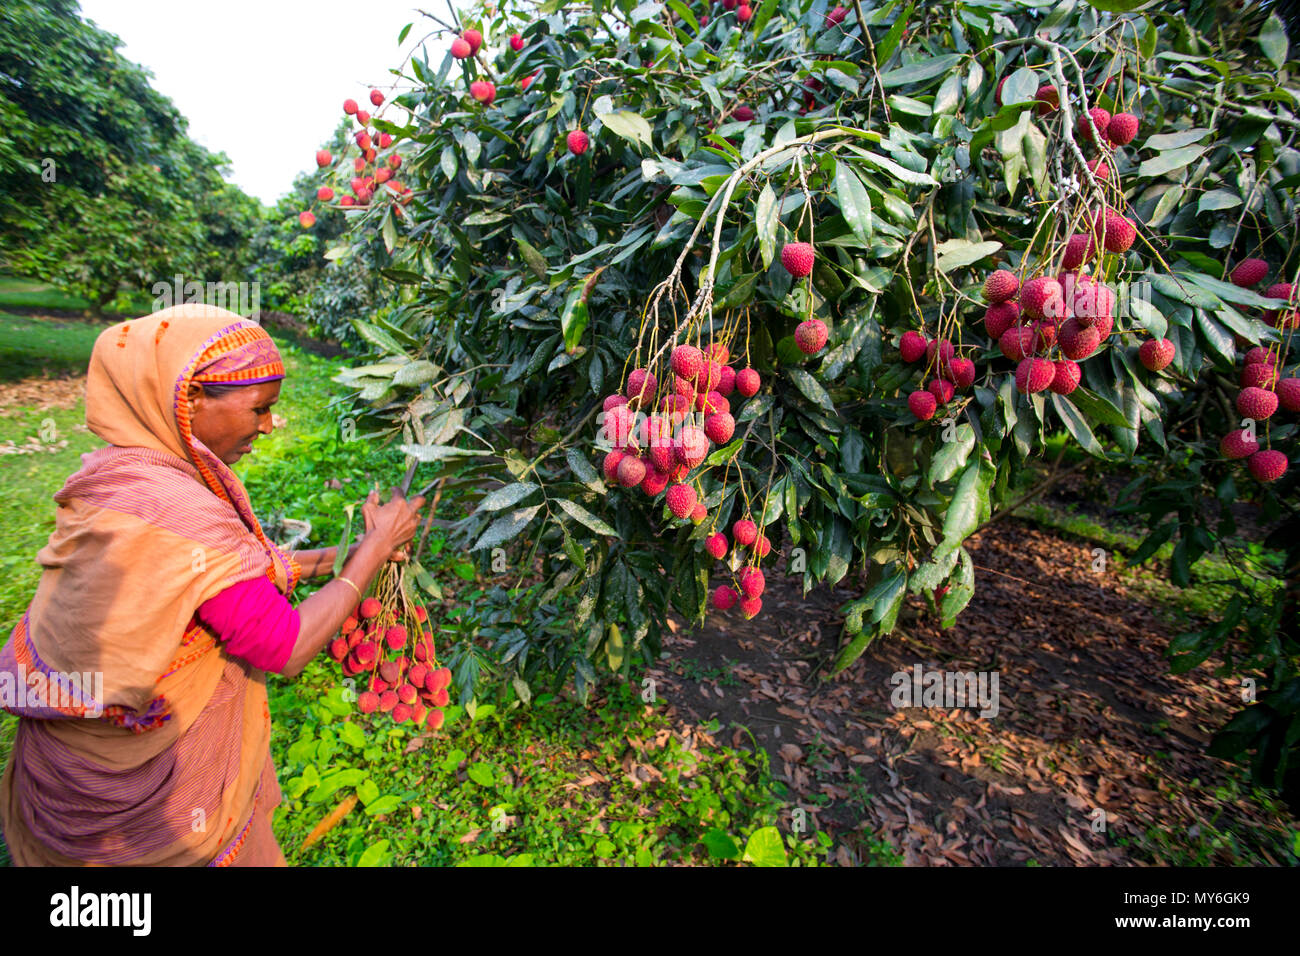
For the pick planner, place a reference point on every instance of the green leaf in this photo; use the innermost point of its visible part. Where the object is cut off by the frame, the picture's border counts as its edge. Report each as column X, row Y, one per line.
column 416, row 373
column 720, row 456
column 1077, row 425
column 765, row 218
column 1020, row 87
column 579, row 513
column 922, row 70
column 957, row 253
column 504, row 497
column 536, row 261
column 1163, row 141
column 631, row 126
column 1148, row 316
column 764, row 848
column 351, row 734
column 720, row 845
column 374, row 855
column 1272, row 40
column 385, row 804
column 854, row 202
column 952, row 455
column 505, row 528
column 481, row 773
column 573, row 319
column 1217, row 199
column 377, row 337
column 1097, row 409
column 811, row 388
column 448, row 162
column 968, row 505
column 1169, row 161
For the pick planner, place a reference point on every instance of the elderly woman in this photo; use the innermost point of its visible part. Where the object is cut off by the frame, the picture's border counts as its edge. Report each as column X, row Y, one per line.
column 159, row 581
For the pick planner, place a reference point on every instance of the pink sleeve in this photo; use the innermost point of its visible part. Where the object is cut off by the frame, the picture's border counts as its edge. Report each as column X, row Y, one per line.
column 255, row 621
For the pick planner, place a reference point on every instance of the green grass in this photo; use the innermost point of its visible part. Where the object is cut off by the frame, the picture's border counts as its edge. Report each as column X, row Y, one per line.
column 32, row 346
column 19, row 293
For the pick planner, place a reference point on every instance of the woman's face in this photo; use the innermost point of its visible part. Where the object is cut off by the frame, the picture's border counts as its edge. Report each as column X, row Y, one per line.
column 228, row 425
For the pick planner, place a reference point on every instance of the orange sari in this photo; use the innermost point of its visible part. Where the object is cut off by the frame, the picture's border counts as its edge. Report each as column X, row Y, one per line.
column 163, row 758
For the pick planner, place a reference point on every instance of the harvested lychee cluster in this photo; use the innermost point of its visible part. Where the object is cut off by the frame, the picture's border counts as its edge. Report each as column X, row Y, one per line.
column 373, row 175
column 388, row 638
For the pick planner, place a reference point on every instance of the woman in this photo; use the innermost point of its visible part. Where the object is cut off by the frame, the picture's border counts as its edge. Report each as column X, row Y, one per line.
column 160, row 586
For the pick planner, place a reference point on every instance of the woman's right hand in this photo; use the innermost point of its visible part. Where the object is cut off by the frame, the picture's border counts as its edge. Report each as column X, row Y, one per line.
column 395, row 521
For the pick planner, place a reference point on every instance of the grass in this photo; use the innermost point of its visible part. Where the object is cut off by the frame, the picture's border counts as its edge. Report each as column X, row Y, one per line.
column 49, row 348
column 18, row 293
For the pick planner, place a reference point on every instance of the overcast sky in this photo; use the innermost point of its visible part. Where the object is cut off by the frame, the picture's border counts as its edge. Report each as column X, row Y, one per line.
column 264, row 80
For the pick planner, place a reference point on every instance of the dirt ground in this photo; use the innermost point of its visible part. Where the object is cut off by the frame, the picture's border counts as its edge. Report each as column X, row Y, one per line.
column 1095, row 745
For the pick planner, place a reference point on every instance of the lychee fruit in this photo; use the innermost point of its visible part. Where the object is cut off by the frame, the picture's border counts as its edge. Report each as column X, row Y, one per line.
column 1076, row 340
column 923, row 404
column 1034, row 375
column 1279, row 290
column 1259, row 375
column 762, row 547
column 655, row 480
column 727, row 384
column 751, row 582
column 744, row 13
column 401, row 713
column 350, row 107
column 836, row 15
column 691, row 446
column 745, row 532
column 961, row 372
column 687, row 361
column 339, row 648
column 407, row 694
column 1080, row 248
column 724, row 597
column 1100, row 117
column 1267, row 465
column 610, row 466
column 719, row 428
column 578, row 142
column 743, row 113
column 699, row 513
column 618, row 425
column 1288, row 394
column 388, row 700
column 718, row 353
column 1049, row 99
column 1000, row 286
column 749, row 607
column 396, row 637
column 435, row 719
column 1248, row 272
column 1042, row 298
column 370, row 607
column 1121, row 129
column 516, row 42
column 716, row 545
column 912, row 346
column 942, row 391
column 306, row 219
column 1000, row 317
column 323, row 158
column 483, row 91
column 1100, row 168
column 1256, row 403
column 1260, row 354
column 473, row 38
column 747, row 382
column 1237, row 444
column 681, row 500
column 1119, row 232
column 631, row 469
column 1017, row 342
column 1155, row 354
column 810, row 336
column 325, row 194
column 797, row 257
column 1065, row 378
column 641, row 384
column 376, row 98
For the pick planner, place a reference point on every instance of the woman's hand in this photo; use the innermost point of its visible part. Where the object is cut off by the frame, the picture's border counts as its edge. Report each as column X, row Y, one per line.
column 394, row 522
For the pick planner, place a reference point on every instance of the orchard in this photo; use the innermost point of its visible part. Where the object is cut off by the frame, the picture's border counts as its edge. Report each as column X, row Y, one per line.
column 714, row 293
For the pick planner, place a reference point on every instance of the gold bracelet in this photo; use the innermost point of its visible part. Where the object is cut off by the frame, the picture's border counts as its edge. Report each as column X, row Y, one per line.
column 354, row 587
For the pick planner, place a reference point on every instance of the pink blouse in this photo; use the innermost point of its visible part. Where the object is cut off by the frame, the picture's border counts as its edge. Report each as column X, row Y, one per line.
column 256, row 622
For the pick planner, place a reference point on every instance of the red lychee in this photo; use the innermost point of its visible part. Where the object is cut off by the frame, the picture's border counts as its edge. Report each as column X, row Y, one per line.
column 724, row 598
column 350, row 107
column 1119, row 232
column 961, row 372
column 370, row 607
column 516, row 42
column 306, row 219
column 716, row 545
column 578, row 142
column 1049, row 99
column 1099, row 116
column 941, row 390
column 751, row 582
column 1042, row 298
column 1079, row 249
column 745, row 532
column 1256, row 403
column 923, row 404
column 687, row 361
column 1248, row 272
column 610, row 467
column 1000, row 286
column 483, row 91
column 1100, row 168
column 641, row 384
column 749, row 607
column 435, row 719
column 1267, row 465
column 1259, row 375
column 797, row 257
column 1155, row 354
column 719, row 428
column 396, row 637
column 1000, row 317
column 1288, row 394
column 1017, row 342
column 656, row 480
column 727, row 384
column 744, row 13
column 1121, row 129
column 681, row 500
column 631, row 470
column 762, row 547
column 376, row 98
column 473, row 38
column 339, row 648
column 1077, row 341
column 691, row 446
column 810, row 336
column 836, row 15
column 1237, row 444
column 1065, row 378
column 912, row 345
column 323, row 157
column 388, row 700
column 618, row 425
column 1034, row 375
column 747, row 382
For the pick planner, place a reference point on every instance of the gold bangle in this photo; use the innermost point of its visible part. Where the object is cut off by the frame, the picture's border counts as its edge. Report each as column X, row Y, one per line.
column 354, row 587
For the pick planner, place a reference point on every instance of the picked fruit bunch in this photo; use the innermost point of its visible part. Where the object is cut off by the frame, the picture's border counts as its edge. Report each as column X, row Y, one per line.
column 373, row 175
column 388, row 638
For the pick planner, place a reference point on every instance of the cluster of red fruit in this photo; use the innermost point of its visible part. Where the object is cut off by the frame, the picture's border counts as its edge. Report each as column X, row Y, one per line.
column 467, row 45
column 811, row 334
column 744, row 12
column 750, row 580
column 371, row 173
column 1263, row 390
column 411, row 688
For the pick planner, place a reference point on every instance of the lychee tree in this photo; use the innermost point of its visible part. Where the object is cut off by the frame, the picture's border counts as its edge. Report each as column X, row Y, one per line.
column 901, row 244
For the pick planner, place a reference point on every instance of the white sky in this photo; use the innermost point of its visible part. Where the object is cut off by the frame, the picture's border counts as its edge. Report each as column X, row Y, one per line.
column 264, row 80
